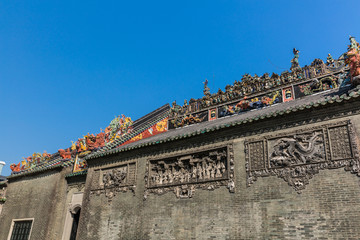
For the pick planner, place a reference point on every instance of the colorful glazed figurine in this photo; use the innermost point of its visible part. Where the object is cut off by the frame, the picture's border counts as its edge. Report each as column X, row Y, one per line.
column 353, row 59
column 329, row 60
column 206, row 88
column 295, row 61
column 65, row 154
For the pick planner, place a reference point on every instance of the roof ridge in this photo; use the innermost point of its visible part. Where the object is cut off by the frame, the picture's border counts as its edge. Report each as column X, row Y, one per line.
column 352, row 93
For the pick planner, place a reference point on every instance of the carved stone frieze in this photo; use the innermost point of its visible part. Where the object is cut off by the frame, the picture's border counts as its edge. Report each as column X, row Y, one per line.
column 78, row 186
column 109, row 181
column 183, row 174
column 297, row 156
column 297, row 149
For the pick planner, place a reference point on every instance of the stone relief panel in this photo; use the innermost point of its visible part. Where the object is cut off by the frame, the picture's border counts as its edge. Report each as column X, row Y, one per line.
column 297, row 149
column 297, row 156
column 78, row 186
column 183, row 174
column 109, row 181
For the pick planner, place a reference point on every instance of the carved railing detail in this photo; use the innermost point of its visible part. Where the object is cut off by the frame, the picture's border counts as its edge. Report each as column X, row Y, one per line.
column 297, row 156
column 183, row 174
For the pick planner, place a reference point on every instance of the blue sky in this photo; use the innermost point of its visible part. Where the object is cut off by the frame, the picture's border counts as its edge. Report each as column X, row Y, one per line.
column 68, row 67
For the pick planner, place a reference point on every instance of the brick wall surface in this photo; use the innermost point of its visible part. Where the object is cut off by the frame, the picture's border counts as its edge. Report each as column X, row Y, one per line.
column 328, row 208
column 41, row 197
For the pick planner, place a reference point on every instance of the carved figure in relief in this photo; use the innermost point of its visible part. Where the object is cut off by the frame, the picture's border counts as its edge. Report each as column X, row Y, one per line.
column 184, row 191
column 206, row 170
column 300, row 149
column 187, row 120
column 199, row 168
column 114, row 178
column 242, row 105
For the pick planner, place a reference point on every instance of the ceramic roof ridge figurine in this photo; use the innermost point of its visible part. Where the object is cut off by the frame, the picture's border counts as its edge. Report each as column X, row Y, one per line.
column 206, row 88
column 295, row 61
column 353, row 44
column 329, row 60
column 353, row 59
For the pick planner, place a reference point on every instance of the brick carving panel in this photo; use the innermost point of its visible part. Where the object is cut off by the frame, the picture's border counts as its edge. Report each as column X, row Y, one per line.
column 109, row 181
column 183, row 174
column 297, row 149
column 297, row 156
column 340, row 143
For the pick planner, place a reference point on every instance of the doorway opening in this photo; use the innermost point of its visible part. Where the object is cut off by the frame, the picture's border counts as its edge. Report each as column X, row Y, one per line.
column 75, row 224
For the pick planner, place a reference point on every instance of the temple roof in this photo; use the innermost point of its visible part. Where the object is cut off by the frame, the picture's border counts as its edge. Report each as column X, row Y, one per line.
column 138, row 126
column 52, row 164
column 252, row 99
column 324, row 98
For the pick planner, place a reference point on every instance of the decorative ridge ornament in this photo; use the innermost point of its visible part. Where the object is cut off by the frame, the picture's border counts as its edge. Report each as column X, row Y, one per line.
column 82, row 147
column 256, row 90
column 295, row 61
column 353, row 59
column 206, row 88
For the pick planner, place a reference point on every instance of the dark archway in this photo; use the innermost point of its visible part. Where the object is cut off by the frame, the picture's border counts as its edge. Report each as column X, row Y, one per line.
column 75, row 224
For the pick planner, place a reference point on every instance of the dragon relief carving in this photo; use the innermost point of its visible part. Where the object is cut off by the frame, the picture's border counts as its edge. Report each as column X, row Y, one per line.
column 296, row 157
column 298, row 149
column 183, row 174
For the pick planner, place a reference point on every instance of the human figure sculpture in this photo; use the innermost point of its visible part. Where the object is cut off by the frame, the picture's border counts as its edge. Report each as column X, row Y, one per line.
column 295, row 61
column 353, row 43
column 206, row 88
column 329, row 60
column 353, row 59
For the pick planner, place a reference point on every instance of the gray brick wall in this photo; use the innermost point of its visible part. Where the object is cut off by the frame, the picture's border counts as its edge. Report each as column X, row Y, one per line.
column 41, row 197
column 328, row 208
